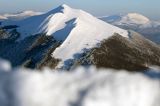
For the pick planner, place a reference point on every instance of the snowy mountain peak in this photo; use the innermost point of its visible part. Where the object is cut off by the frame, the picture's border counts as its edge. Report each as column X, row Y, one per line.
column 127, row 19
column 77, row 29
column 137, row 22
column 136, row 18
column 62, row 8
column 65, row 6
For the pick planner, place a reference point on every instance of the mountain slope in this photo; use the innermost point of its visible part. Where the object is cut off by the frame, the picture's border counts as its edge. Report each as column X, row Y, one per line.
column 137, row 22
column 62, row 37
column 86, row 32
column 77, row 30
column 136, row 53
column 128, row 19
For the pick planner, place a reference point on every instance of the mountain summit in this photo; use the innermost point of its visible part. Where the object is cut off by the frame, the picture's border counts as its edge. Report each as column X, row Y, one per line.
column 65, row 37
column 62, row 21
column 76, row 29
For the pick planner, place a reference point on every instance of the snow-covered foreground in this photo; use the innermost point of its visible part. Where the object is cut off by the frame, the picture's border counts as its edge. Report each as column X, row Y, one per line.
column 81, row 87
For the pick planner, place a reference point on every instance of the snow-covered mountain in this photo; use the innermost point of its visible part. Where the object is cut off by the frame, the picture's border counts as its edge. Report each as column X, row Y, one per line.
column 77, row 29
column 65, row 37
column 19, row 16
column 65, row 20
column 137, row 22
column 134, row 19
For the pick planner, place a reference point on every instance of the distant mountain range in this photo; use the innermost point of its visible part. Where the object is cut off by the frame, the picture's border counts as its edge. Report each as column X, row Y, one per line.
column 64, row 38
column 19, row 16
column 137, row 22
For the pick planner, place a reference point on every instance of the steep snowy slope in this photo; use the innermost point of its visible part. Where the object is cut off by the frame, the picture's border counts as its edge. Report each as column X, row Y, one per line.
column 85, row 31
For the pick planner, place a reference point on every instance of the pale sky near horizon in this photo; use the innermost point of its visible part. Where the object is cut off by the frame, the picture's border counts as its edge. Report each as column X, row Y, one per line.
column 149, row 8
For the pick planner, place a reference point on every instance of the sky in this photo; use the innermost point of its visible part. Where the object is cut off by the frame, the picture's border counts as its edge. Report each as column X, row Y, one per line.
column 149, row 8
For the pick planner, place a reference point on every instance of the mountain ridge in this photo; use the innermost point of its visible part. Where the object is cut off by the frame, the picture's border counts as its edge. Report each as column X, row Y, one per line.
column 137, row 22
column 63, row 36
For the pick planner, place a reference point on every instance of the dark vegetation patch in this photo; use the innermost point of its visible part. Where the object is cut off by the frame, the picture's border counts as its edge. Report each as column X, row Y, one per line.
column 41, row 40
column 48, row 60
column 9, row 27
column 117, row 52
column 39, row 53
column 3, row 34
column 11, row 35
column 29, row 52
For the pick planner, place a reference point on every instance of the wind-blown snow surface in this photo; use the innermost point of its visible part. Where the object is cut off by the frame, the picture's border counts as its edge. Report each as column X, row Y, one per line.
column 81, row 87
